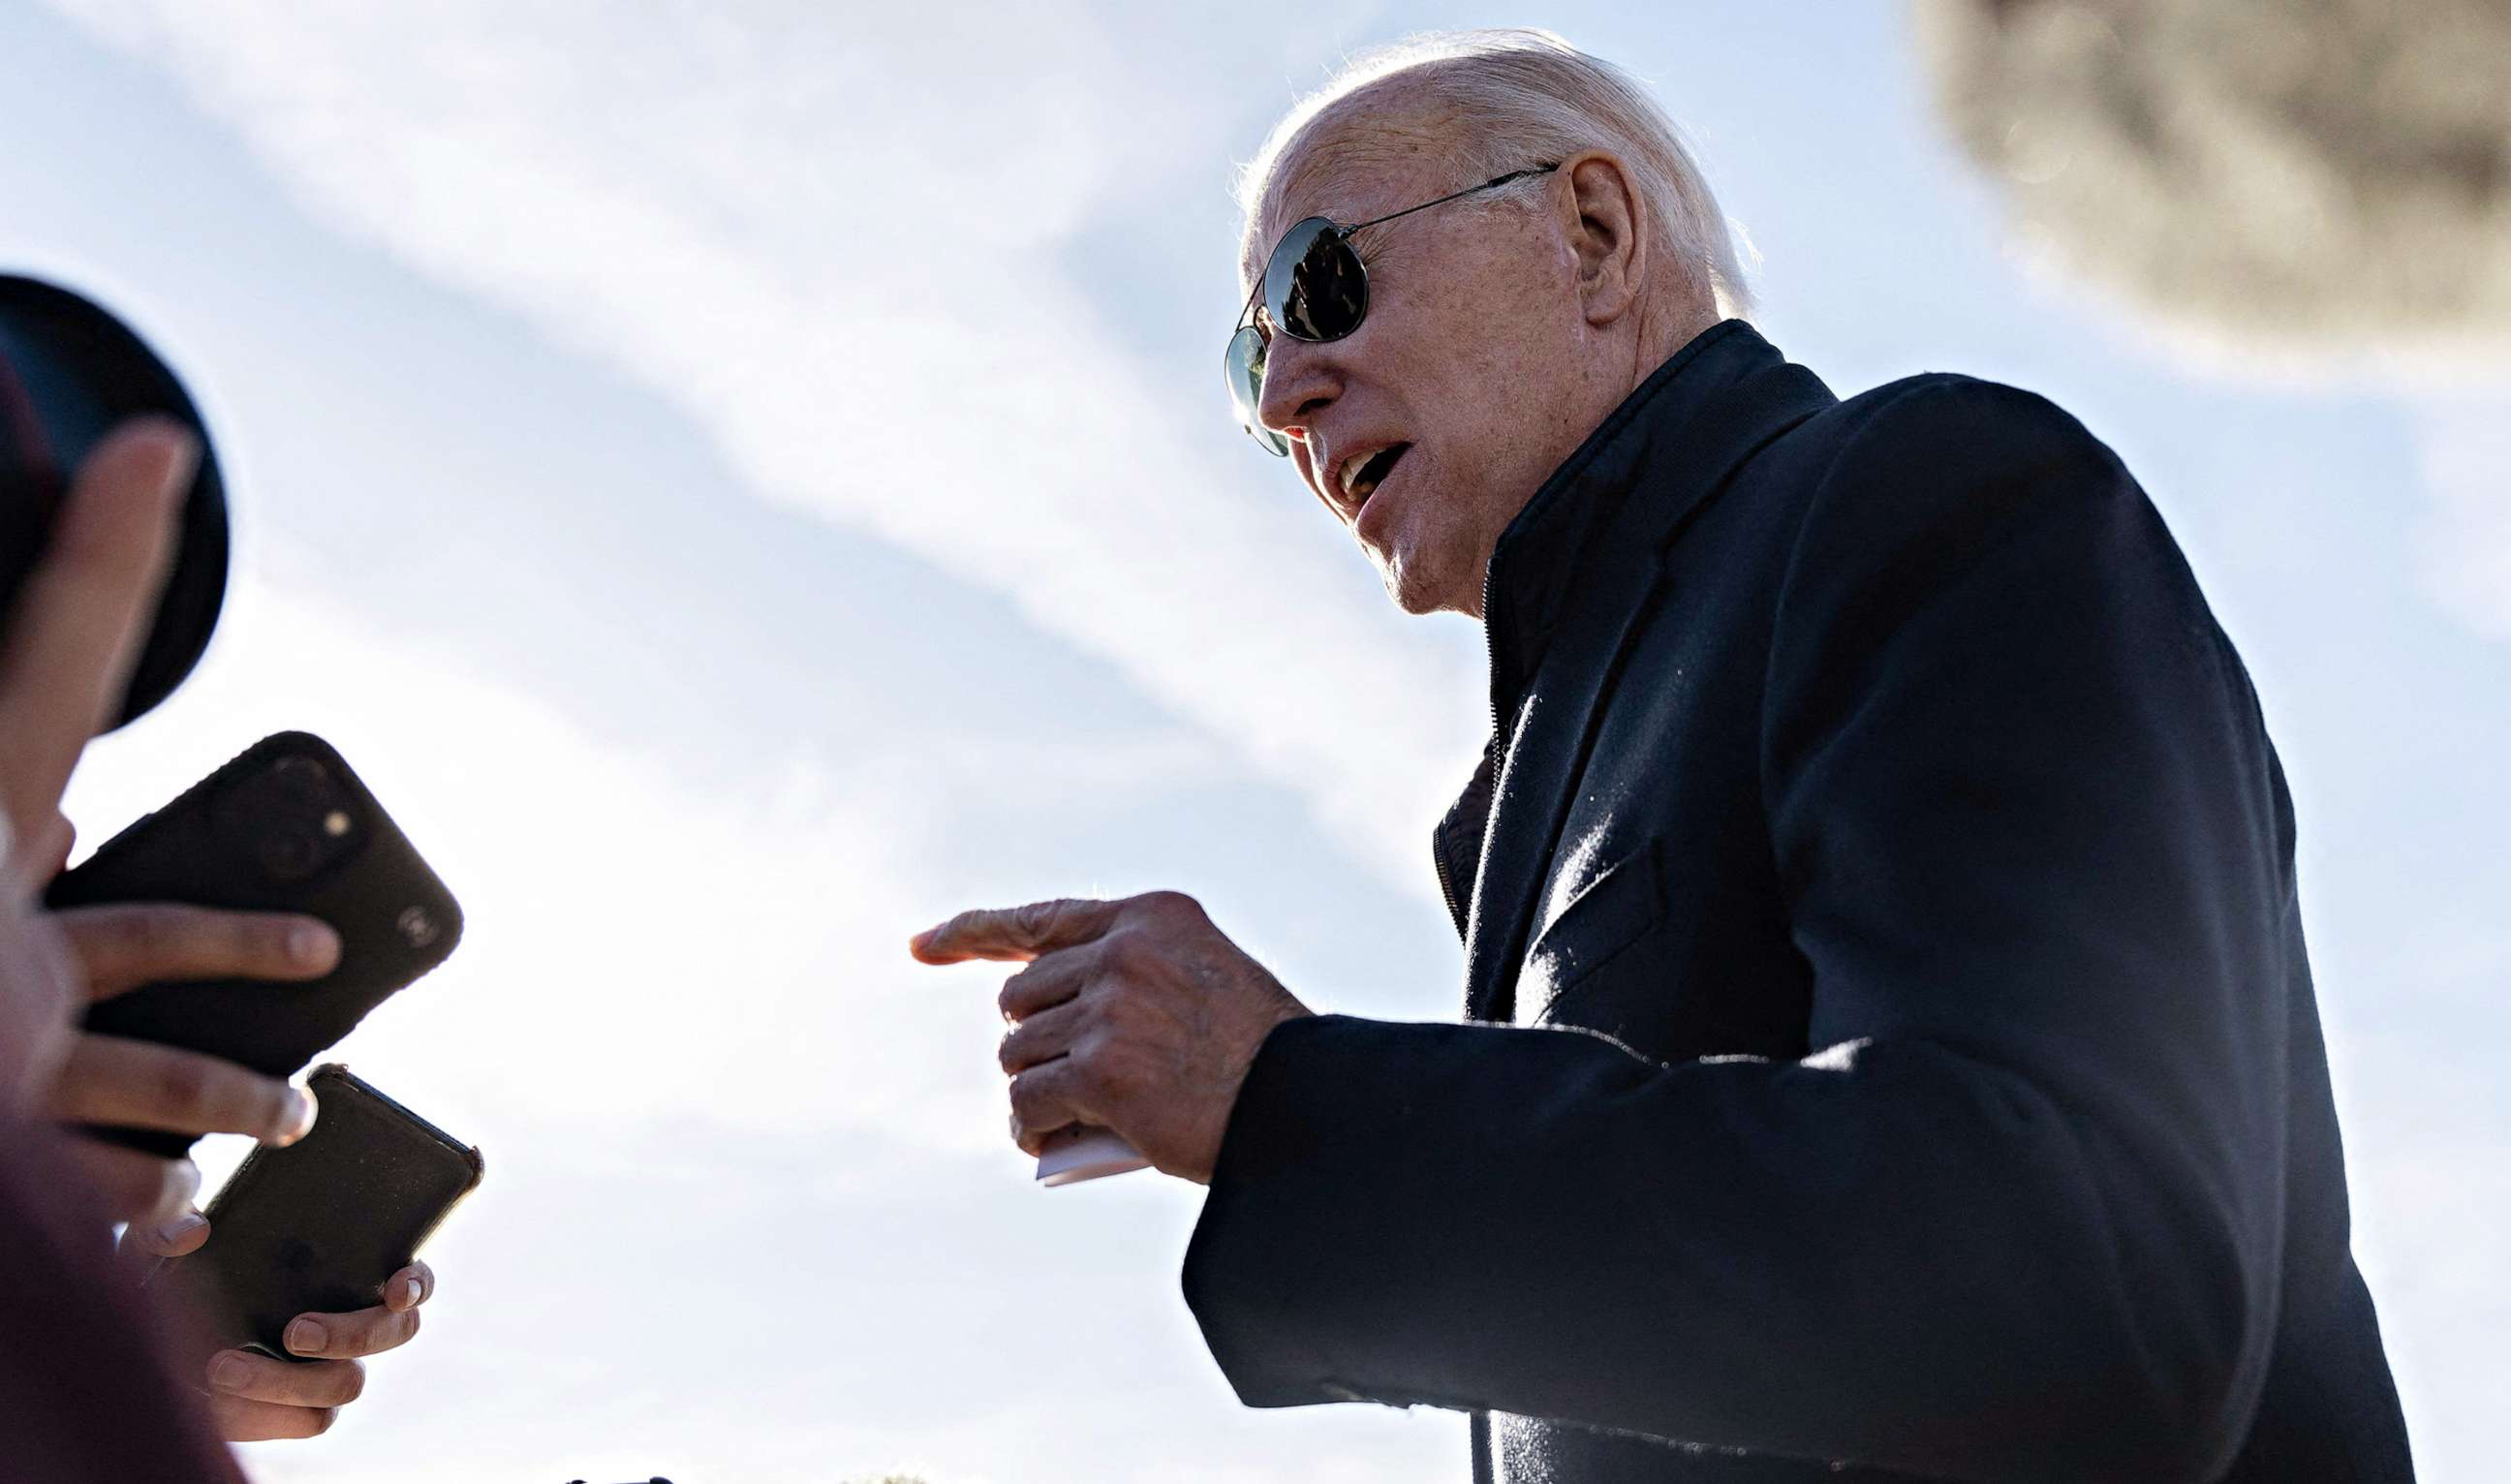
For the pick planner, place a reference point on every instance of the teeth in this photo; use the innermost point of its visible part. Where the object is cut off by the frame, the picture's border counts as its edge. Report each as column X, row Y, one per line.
column 1361, row 477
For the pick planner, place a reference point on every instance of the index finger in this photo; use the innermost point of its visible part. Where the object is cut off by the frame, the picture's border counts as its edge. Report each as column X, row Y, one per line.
column 124, row 945
column 1013, row 935
column 83, row 612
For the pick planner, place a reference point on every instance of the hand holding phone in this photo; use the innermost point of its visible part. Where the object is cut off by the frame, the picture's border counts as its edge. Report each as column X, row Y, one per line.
column 286, row 827
column 107, row 1081
column 318, row 1226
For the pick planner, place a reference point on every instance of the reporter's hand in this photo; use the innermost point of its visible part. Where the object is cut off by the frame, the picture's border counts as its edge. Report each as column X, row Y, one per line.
column 109, row 1081
column 65, row 656
column 81, row 619
column 1137, row 1017
column 253, row 1398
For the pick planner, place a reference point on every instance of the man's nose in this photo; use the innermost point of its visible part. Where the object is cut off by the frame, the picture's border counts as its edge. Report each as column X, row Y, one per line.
column 1301, row 381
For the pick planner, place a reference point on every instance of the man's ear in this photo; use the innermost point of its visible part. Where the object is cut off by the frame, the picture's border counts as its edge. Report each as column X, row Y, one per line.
column 1609, row 233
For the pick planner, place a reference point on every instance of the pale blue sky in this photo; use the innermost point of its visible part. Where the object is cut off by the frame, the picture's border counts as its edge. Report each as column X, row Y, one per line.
column 745, row 483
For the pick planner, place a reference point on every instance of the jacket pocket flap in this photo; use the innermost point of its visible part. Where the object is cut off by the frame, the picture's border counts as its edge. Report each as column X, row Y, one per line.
column 1616, row 908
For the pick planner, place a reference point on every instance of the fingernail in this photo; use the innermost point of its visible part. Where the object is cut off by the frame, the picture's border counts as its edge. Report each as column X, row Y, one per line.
column 305, row 1337
column 313, row 943
column 303, row 1123
column 409, row 1293
column 179, row 1228
column 229, row 1373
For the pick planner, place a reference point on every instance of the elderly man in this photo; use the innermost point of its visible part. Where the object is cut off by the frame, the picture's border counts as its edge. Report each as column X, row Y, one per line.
column 1891, row 1047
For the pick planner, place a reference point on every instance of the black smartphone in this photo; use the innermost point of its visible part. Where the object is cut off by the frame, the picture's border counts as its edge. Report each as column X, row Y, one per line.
column 285, row 828
column 317, row 1228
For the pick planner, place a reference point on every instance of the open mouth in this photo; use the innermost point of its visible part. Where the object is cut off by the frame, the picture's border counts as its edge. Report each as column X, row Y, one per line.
column 1362, row 481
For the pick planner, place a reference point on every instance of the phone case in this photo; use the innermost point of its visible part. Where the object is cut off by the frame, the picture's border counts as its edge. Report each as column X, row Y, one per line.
column 317, row 1228
column 285, row 828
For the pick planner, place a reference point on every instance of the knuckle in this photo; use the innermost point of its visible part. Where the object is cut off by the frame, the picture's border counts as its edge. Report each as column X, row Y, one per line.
column 1091, row 1071
column 261, row 942
column 1014, row 994
column 1175, row 905
column 1130, row 955
column 183, row 1086
column 145, row 932
column 1034, row 919
column 1031, row 1095
column 1114, row 1072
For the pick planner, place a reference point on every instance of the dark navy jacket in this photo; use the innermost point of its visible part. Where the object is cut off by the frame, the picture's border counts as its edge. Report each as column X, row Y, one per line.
column 1894, row 1045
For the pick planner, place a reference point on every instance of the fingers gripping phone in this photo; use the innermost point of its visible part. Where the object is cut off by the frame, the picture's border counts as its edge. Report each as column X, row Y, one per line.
column 285, row 828
column 317, row 1227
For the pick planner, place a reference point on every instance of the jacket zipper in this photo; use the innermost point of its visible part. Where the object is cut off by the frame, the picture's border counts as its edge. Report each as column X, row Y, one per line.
column 1439, row 839
column 1446, row 887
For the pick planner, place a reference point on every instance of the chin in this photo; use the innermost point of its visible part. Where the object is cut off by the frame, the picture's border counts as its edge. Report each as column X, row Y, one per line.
column 1421, row 567
column 1415, row 588
column 1411, row 602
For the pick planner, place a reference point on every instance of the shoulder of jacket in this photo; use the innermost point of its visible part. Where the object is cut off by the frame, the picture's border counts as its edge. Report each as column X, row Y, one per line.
column 1956, row 435
column 1938, row 403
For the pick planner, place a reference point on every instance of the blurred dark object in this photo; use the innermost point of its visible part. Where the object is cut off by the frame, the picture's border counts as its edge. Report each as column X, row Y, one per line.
column 2284, row 174
column 70, row 372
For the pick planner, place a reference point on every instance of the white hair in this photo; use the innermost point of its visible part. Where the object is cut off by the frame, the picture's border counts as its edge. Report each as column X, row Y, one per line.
column 1510, row 99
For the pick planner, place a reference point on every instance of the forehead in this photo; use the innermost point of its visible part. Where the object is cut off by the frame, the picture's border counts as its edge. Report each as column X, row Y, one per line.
column 1362, row 156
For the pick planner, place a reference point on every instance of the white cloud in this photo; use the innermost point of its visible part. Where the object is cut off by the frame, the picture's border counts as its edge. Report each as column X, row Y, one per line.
column 833, row 237
column 638, row 941
column 2463, row 538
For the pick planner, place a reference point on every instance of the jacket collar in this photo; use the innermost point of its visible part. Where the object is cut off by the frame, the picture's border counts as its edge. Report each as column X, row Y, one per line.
column 1568, row 580
column 1536, row 565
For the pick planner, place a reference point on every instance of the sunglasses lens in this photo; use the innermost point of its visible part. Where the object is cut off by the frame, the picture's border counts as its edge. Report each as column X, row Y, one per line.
column 1243, row 367
column 1314, row 286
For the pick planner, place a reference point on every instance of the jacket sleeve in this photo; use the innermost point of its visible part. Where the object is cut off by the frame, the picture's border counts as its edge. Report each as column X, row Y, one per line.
column 2017, row 1217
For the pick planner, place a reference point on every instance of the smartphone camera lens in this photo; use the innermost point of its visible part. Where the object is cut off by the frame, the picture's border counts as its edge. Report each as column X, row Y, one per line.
column 290, row 854
column 305, row 821
column 302, row 777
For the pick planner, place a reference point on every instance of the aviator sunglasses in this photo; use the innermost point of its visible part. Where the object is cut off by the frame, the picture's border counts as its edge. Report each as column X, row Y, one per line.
column 1315, row 289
